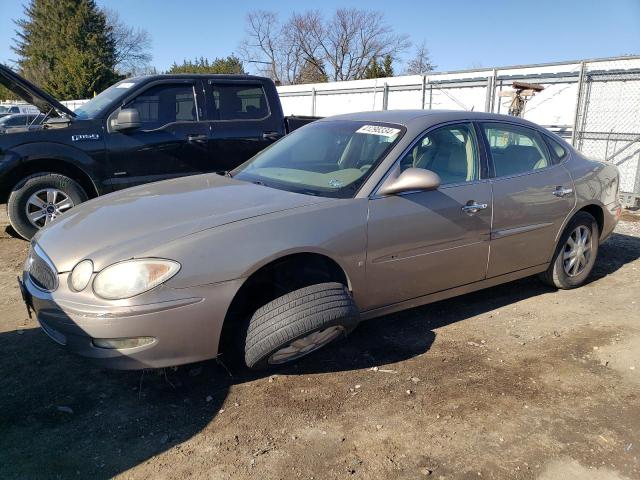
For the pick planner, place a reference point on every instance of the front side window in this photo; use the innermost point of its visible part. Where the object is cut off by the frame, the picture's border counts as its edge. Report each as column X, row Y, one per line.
column 449, row 151
column 515, row 149
column 331, row 159
column 239, row 102
column 164, row 104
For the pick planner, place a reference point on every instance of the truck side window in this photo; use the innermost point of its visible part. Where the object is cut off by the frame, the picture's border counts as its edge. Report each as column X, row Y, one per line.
column 164, row 104
column 239, row 102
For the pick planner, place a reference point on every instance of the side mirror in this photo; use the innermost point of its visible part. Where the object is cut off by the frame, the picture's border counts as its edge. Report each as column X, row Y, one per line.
column 127, row 119
column 412, row 179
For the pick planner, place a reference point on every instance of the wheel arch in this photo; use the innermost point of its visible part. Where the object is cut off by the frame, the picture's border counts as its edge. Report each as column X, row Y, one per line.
column 597, row 212
column 30, row 159
column 270, row 280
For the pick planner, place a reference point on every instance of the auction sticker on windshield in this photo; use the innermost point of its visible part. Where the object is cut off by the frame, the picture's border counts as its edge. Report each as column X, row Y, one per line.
column 379, row 130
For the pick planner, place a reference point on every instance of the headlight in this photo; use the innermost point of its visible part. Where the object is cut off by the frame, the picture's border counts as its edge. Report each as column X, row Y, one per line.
column 81, row 274
column 132, row 277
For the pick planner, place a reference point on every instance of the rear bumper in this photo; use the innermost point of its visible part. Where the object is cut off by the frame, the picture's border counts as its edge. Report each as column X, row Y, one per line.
column 185, row 328
column 612, row 213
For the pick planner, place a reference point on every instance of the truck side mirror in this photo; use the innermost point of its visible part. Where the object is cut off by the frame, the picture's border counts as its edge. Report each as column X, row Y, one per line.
column 127, row 119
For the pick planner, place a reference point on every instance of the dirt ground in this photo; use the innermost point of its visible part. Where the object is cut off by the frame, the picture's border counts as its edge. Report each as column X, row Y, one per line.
column 518, row 381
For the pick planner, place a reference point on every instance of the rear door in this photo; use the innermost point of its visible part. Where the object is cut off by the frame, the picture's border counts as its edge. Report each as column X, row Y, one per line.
column 171, row 141
column 423, row 242
column 242, row 122
column 532, row 197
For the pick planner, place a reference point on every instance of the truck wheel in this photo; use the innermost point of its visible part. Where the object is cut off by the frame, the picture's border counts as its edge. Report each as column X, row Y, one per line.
column 299, row 323
column 38, row 199
column 575, row 255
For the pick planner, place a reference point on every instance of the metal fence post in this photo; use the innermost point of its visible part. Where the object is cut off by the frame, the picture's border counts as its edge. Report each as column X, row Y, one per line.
column 385, row 96
column 487, row 98
column 574, row 134
column 313, row 102
column 423, row 91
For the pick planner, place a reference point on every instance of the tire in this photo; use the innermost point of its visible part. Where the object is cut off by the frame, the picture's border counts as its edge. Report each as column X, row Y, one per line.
column 557, row 275
column 23, row 191
column 325, row 311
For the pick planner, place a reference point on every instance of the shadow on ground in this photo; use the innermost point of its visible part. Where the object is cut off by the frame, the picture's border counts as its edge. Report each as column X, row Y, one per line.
column 62, row 417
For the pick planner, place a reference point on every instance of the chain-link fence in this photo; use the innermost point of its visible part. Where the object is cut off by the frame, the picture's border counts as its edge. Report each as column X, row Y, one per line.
column 608, row 117
column 593, row 104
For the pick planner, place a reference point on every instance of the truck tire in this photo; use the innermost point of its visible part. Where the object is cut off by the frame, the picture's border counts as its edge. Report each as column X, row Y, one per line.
column 575, row 254
column 299, row 323
column 38, row 199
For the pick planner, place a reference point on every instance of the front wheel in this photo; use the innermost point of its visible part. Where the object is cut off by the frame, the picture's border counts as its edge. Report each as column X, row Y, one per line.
column 38, row 199
column 299, row 323
column 576, row 253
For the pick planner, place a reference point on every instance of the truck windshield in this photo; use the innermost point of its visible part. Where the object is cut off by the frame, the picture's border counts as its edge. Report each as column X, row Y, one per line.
column 104, row 99
column 325, row 158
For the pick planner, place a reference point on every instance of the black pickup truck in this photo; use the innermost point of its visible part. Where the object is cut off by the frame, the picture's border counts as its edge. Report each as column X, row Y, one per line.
column 139, row 130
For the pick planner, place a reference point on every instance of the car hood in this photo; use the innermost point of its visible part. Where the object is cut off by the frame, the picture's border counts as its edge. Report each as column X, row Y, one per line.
column 127, row 224
column 32, row 94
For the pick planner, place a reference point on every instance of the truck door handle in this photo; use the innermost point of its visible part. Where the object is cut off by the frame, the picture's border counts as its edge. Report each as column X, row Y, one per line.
column 193, row 138
column 473, row 207
column 562, row 191
column 273, row 136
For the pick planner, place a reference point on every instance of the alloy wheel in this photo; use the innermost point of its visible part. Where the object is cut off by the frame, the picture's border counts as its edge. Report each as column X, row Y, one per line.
column 577, row 251
column 45, row 205
column 305, row 345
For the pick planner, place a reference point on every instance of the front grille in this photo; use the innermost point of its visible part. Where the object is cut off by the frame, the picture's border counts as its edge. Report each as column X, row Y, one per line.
column 41, row 270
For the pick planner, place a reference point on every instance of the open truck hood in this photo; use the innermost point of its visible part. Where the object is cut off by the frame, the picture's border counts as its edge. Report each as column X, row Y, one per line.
column 32, row 94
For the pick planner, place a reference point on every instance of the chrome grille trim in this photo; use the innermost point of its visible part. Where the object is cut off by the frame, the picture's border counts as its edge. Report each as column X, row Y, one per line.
column 41, row 269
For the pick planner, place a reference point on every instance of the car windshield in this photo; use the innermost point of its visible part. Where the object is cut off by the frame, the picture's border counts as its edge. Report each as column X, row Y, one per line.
column 325, row 158
column 104, row 99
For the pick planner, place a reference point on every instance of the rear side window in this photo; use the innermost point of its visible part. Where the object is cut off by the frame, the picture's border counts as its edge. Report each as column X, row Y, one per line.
column 239, row 102
column 559, row 152
column 164, row 104
column 515, row 149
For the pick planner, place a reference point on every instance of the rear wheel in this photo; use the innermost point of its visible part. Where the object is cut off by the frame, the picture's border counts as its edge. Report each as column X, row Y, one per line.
column 576, row 253
column 39, row 199
column 299, row 323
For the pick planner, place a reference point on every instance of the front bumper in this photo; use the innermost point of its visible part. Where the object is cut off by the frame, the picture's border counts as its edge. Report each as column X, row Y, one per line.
column 185, row 324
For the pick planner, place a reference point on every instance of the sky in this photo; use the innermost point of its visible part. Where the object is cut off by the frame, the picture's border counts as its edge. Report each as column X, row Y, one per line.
column 460, row 34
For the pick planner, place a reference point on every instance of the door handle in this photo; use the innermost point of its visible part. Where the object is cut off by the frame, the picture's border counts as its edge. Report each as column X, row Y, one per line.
column 562, row 191
column 193, row 138
column 473, row 207
column 273, row 136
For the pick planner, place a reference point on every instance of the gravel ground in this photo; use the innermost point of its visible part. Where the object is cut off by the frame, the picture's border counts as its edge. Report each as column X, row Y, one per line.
column 514, row 382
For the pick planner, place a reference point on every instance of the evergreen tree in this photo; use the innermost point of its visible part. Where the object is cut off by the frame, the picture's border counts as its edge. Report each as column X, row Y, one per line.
column 373, row 70
column 311, row 73
column 66, row 47
column 229, row 65
column 387, row 67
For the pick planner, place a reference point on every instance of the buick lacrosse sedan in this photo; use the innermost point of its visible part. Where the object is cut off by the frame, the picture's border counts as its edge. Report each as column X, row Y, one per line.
column 348, row 218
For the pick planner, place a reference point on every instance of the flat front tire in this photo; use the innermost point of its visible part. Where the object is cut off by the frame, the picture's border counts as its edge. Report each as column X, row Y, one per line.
column 39, row 199
column 299, row 323
column 575, row 254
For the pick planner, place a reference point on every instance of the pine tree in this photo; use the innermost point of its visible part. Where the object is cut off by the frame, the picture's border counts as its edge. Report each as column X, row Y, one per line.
column 373, row 70
column 230, row 64
column 387, row 67
column 312, row 72
column 66, row 47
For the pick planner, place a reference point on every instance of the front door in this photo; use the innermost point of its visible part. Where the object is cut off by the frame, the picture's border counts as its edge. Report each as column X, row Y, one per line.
column 532, row 197
column 171, row 141
column 424, row 242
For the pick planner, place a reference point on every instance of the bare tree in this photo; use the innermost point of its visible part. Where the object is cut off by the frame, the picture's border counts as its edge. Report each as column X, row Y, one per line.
column 338, row 48
column 132, row 45
column 271, row 47
column 421, row 61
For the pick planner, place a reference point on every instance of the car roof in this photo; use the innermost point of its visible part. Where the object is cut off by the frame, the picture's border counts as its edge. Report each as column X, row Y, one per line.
column 410, row 118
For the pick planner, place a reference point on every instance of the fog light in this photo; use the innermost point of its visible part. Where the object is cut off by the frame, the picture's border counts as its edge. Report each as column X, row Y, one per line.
column 122, row 343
